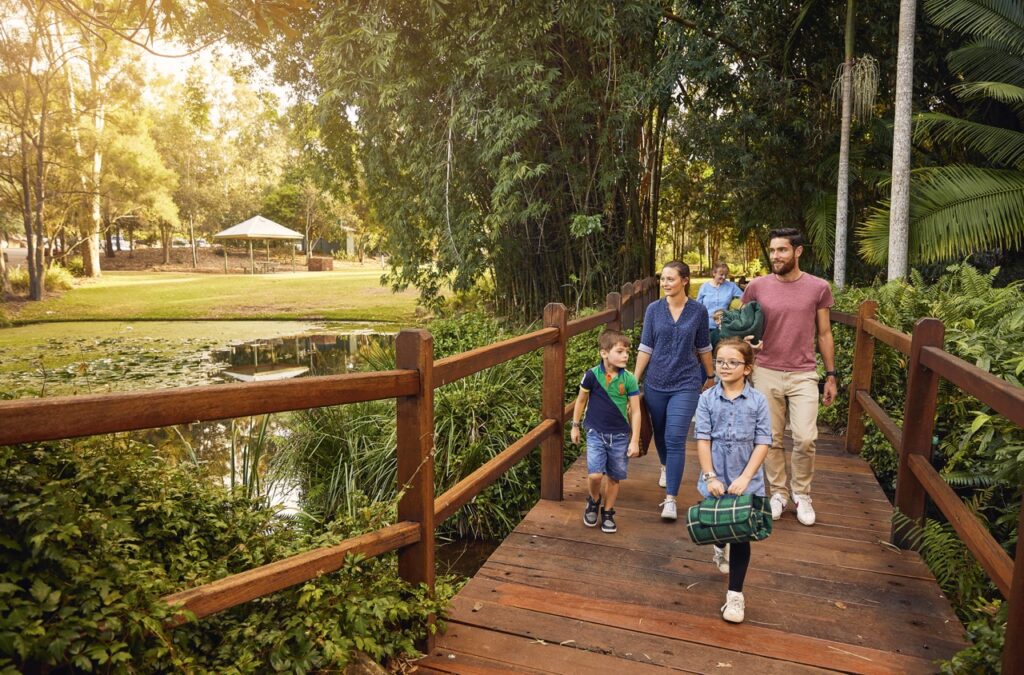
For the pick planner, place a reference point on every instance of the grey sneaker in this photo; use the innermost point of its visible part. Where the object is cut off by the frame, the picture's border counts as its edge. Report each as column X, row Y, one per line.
column 608, row 521
column 668, row 509
column 721, row 559
column 590, row 513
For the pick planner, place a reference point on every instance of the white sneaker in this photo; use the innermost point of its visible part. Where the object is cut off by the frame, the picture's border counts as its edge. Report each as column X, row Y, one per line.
column 668, row 510
column 721, row 559
column 778, row 504
column 804, row 510
column 661, row 479
column 732, row 610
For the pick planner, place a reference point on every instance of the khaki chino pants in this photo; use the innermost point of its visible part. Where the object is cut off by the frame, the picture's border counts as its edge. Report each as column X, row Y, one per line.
column 797, row 395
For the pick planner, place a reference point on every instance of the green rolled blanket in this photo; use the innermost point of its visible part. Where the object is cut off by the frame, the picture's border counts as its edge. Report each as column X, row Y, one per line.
column 747, row 320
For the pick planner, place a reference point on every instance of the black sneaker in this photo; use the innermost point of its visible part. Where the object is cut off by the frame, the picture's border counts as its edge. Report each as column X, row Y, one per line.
column 590, row 514
column 608, row 521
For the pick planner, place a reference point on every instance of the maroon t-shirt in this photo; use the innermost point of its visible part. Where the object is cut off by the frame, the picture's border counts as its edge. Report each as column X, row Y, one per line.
column 789, row 310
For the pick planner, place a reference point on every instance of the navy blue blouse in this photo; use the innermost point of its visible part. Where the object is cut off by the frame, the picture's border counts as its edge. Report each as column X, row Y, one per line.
column 672, row 345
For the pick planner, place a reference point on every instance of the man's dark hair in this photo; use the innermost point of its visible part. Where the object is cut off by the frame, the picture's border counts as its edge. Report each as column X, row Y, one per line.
column 790, row 234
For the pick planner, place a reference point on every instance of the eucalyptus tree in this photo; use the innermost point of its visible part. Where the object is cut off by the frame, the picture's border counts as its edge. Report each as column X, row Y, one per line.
column 957, row 209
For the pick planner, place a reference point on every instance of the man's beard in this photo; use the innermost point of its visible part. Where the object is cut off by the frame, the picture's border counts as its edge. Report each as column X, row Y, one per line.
column 784, row 268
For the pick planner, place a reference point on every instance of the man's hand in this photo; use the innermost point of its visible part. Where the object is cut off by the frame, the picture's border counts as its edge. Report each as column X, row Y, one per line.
column 634, row 449
column 739, row 485
column 708, row 384
column 574, row 435
column 756, row 346
column 829, row 394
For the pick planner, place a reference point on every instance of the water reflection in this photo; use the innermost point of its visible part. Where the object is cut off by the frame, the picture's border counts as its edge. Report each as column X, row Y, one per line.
column 287, row 357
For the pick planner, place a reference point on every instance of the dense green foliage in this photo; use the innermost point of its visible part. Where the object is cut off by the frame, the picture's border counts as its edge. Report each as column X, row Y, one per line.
column 95, row 532
column 343, row 453
column 980, row 453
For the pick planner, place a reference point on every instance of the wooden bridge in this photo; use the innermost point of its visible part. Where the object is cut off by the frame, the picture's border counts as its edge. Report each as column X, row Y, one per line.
column 559, row 597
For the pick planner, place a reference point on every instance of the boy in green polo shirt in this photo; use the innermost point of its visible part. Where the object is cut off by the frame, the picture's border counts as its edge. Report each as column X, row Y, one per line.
column 611, row 397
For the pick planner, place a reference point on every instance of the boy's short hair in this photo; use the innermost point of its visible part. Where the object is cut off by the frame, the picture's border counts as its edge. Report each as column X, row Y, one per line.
column 790, row 234
column 611, row 338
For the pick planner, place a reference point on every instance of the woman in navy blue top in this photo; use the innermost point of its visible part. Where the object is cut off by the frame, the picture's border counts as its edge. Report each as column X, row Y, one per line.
column 675, row 333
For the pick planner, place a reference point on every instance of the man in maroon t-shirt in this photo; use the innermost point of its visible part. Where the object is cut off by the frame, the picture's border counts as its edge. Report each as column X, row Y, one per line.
column 796, row 312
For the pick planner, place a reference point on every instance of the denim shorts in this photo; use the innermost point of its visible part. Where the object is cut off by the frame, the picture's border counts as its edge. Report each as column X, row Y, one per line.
column 606, row 453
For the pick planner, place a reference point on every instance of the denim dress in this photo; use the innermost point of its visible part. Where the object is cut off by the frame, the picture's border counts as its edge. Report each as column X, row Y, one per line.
column 734, row 428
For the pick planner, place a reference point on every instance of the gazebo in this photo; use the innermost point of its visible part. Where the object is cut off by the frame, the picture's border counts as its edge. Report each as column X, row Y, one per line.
column 258, row 228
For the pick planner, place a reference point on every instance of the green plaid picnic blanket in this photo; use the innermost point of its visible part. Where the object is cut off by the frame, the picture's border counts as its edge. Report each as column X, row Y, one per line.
column 729, row 519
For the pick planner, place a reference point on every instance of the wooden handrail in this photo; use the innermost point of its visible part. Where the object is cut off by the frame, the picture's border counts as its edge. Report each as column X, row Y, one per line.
column 885, row 424
column 982, row 545
column 583, row 324
column 462, row 365
column 251, row 584
column 843, row 318
column 462, row 492
column 28, row 420
column 995, row 392
column 890, row 336
column 412, row 385
column 917, row 478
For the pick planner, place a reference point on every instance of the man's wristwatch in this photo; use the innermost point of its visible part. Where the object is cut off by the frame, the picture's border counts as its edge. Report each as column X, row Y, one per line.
column 708, row 476
column 832, row 373
column 710, row 376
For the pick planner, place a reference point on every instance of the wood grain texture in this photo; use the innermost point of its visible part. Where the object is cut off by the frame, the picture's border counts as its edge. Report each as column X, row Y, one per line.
column 860, row 381
column 582, row 325
column 27, row 420
column 238, row 588
column 1004, row 397
column 887, row 425
column 552, row 406
column 557, row 596
column 462, row 365
column 890, row 336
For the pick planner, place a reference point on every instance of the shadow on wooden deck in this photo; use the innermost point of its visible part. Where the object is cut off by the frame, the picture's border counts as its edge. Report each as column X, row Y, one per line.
column 559, row 597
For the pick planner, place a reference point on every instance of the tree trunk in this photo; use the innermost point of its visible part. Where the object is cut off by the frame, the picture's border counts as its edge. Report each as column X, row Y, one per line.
column 192, row 240
column 899, row 210
column 843, row 187
column 5, row 282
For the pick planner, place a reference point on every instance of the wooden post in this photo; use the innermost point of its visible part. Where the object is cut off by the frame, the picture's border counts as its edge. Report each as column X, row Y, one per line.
column 1013, row 649
column 863, row 363
column 639, row 294
column 414, row 350
column 553, row 404
column 918, row 423
column 614, row 301
column 627, row 305
column 652, row 291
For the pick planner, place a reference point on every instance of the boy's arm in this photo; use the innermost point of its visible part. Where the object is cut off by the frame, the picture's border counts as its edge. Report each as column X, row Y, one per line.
column 634, row 425
column 577, row 414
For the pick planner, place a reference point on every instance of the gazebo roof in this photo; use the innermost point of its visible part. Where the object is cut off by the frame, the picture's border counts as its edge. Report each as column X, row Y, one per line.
column 258, row 227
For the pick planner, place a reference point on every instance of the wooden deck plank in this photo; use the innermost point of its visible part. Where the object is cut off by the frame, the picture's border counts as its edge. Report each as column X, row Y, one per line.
column 560, row 597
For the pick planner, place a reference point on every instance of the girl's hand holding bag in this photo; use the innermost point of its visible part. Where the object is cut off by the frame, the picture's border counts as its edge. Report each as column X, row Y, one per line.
column 729, row 519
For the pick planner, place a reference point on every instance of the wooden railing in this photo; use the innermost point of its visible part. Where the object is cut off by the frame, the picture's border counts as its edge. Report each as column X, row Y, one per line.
column 916, row 478
column 412, row 383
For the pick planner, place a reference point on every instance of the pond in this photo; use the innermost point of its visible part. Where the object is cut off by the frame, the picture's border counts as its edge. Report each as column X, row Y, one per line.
column 99, row 357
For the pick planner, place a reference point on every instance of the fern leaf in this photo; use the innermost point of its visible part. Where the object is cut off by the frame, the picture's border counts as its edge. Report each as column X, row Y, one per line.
column 1001, row 21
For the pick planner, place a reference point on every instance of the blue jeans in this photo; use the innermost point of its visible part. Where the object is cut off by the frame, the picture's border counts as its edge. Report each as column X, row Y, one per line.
column 671, row 412
column 606, row 453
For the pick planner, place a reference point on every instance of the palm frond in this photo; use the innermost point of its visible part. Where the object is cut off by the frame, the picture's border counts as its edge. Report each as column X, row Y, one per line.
column 954, row 212
column 999, row 91
column 998, row 20
column 820, row 218
column 998, row 145
column 985, row 60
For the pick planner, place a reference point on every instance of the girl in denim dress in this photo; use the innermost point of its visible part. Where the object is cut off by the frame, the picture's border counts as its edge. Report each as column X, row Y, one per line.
column 733, row 432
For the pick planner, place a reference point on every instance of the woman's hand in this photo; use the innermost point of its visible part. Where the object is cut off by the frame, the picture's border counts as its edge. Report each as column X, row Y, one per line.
column 715, row 487
column 739, row 485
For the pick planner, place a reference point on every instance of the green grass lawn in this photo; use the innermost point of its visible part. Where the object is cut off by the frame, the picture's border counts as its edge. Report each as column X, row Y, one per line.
column 346, row 295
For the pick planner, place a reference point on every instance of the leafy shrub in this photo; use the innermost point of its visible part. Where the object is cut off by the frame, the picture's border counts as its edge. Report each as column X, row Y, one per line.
column 57, row 279
column 978, row 452
column 94, row 533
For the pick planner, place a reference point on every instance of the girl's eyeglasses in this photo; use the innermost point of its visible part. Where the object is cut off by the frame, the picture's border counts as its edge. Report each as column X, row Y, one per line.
column 729, row 365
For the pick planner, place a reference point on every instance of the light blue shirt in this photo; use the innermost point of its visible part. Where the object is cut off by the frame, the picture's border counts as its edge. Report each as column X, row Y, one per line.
column 717, row 298
column 734, row 427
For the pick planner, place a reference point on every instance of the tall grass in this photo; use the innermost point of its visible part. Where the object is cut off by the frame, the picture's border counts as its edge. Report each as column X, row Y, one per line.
column 57, row 279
